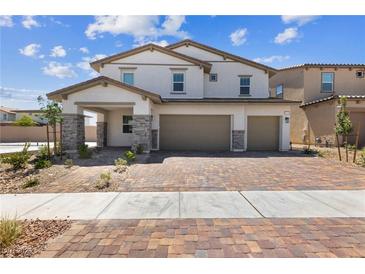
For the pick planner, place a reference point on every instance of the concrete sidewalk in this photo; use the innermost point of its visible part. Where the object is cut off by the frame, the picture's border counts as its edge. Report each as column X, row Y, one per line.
column 157, row 205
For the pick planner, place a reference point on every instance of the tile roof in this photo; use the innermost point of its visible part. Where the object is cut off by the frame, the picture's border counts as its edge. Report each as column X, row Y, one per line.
column 332, row 97
column 319, row 65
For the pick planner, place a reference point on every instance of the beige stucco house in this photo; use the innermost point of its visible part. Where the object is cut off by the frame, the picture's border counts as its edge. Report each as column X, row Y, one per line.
column 6, row 114
column 186, row 96
column 319, row 87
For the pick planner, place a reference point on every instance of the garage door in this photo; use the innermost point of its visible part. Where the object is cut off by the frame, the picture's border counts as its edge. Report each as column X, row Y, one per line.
column 195, row 132
column 358, row 118
column 262, row 133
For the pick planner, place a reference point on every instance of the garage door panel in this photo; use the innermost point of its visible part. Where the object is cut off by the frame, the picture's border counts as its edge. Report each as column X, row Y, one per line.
column 195, row 132
column 262, row 133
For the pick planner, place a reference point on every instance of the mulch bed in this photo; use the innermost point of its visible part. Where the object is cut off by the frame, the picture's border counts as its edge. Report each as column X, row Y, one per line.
column 34, row 236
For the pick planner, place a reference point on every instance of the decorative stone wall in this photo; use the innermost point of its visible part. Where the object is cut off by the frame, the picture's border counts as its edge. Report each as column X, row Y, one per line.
column 238, row 139
column 73, row 131
column 154, row 133
column 101, row 134
column 141, row 130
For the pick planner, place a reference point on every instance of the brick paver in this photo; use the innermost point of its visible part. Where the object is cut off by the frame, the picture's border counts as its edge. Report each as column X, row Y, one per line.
column 240, row 171
column 319, row 237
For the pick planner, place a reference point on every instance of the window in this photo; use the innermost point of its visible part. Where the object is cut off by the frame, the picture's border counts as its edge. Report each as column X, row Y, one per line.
column 178, row 82
column 279, row 90
column 213, row 77
column 327, row 81
column 245, row 85
column 360, row 74
column 128, row 78
column 127, row 128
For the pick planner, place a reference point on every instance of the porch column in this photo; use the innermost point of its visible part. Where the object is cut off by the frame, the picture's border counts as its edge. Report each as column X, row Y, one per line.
column 101, row 130
column 238, row 131
column 142, row 125
column 73, row 131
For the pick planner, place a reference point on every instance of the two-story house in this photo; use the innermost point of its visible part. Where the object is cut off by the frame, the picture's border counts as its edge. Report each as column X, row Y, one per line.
column 186, row 96
column 6, row 114
column 319, row 87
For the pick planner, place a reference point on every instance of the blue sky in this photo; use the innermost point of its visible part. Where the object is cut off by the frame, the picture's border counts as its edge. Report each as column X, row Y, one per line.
column 42, row 53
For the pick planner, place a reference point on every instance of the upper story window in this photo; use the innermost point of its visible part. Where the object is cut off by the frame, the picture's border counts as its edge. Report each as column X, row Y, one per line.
column 128, row 78
column 245, row 83
column 327, row 81
column 213, row 77
column 279, row 90
column 360, row 74
column 178, row 82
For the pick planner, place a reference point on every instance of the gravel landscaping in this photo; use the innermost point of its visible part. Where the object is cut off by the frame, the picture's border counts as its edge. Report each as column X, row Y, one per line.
column 34, row 236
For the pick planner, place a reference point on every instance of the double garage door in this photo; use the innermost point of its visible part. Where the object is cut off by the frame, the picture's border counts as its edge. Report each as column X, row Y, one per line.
column 213, row 132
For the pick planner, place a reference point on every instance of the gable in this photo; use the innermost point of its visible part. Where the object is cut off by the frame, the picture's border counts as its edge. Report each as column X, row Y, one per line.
column 201, row 54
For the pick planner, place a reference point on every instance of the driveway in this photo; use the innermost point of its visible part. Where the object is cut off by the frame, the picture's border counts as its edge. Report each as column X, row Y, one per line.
column 240, row 171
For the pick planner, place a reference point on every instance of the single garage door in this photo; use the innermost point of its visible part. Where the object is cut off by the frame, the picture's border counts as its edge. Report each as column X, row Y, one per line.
column 358, row 118
column 263, row 133
column 195, row 132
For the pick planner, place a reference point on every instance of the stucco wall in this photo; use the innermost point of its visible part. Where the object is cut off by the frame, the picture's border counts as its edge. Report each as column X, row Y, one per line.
column 115, row 135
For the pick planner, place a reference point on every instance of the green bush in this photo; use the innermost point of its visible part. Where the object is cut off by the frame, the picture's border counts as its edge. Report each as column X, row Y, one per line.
column 69, row 163
column 18, row 159
column 84, row 152
column 42, row 163
column 120, row 165
column 31, row 182
column 10, row 230
column 130, row 156
column 361, row 160
column 104, row 180
column 25, row 121
column 43, row 152
column 139, row 149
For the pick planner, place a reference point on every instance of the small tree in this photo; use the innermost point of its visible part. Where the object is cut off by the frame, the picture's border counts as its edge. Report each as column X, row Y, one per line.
column 51, row 111
column 25, row 121
column 343, row 125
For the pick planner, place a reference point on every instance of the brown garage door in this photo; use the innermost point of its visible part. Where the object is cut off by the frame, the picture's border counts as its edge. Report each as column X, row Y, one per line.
column 263, row 133
column 358, row 118
column 195, row 132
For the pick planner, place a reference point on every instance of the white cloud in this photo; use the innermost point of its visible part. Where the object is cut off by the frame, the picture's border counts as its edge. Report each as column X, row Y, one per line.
column 271, row 59
column 30, row 50
column 300, row 20
column 58, row 22
column 238, row 37
column 84, row 50
column 140, row 27
column 19, row 98
column 59, row 70
column 85, row 63
column 58, row 51
column 287, row 36
column 29, row 22
column 6, row 21
column 118, row 44
column 141, row 42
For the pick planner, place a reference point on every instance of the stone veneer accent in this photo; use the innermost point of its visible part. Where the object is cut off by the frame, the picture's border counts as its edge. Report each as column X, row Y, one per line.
column 154, row 133
column 141, row 130
column 73, row 131
column 238, row 139
column 101, row 134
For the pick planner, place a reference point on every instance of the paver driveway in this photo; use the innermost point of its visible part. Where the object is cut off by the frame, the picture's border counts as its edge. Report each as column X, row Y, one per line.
column 240, row 171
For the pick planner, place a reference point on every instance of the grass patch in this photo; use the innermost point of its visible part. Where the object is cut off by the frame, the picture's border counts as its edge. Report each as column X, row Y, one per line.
column 10, row 230
column 32, row 182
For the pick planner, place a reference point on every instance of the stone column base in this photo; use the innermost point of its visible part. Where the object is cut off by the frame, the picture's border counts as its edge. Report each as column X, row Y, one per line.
column 73, row 131
column 101, row 134
column 141, row 129
column 238, row 140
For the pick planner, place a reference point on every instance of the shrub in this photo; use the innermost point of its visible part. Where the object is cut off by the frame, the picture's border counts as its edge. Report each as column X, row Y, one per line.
column 42, row 163
column 104, row 180
column 43, row 152
column 120, row 165
column 69, row 163
column 25, row 121
column 31, row 183
column 10, row 230
column 18, row 159
column 310, row 151
column 139, row 149
column 361, row 160
column 130, row 156
column 84, row 152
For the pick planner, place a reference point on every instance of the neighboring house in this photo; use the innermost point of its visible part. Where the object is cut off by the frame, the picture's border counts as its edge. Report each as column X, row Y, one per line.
column 186, row 96
column 319, row 87
column 35, row 114
column 6, row 114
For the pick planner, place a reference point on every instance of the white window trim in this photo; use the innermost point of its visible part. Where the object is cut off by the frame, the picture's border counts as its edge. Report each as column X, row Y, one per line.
column 172, row 81
column 362, row 73
column 282, row 89
column 123, row 124
column 333, row 82
column 244, row 76
column 216, row 77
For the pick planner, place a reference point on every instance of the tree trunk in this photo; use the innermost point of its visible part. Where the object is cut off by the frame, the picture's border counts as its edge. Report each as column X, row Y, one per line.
column 48, row 150
column 338, row 147
column 346, row 148
column 54, row 140
column 356, row 142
